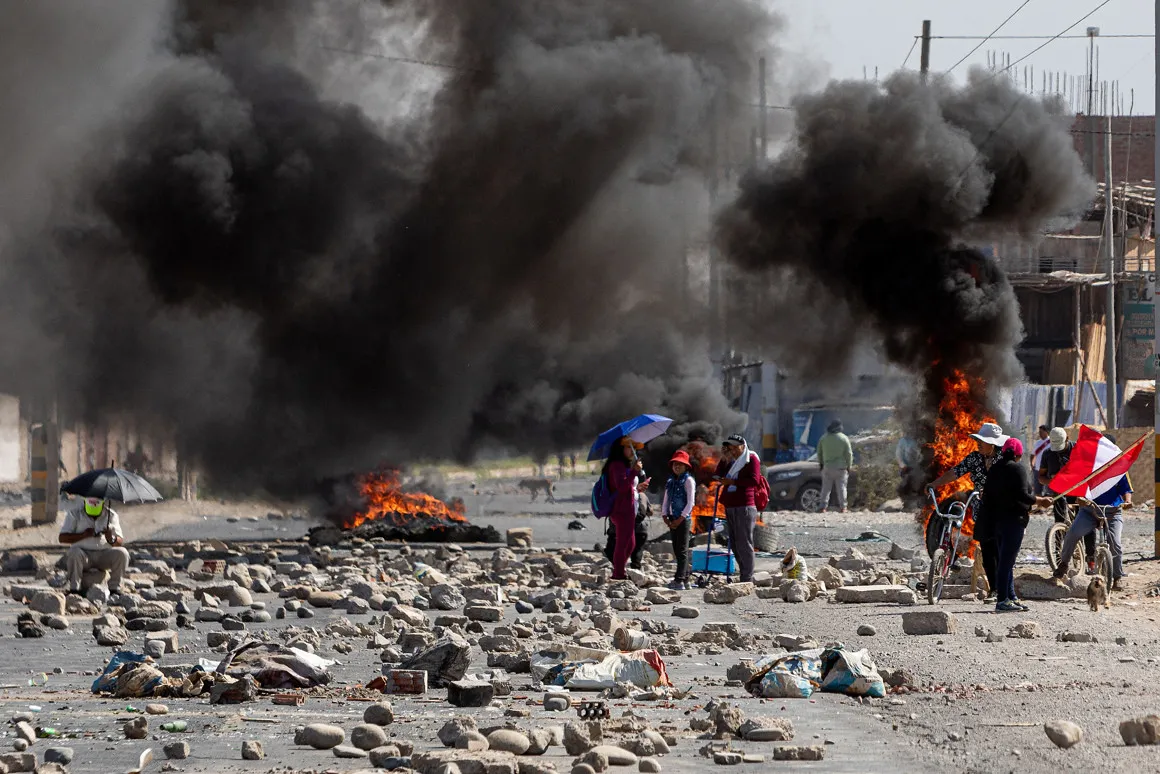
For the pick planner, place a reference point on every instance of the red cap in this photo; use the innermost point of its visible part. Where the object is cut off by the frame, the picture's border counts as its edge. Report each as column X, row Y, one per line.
column 681, row 456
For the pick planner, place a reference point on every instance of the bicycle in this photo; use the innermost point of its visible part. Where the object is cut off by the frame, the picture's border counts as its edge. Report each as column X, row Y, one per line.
column 1102, row 558
column 949, row 535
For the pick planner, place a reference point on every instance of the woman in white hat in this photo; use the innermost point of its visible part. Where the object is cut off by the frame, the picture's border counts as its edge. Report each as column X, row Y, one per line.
column 990, row 438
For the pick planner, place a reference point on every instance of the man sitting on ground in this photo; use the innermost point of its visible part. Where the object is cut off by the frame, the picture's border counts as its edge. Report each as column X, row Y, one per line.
column 94, row 533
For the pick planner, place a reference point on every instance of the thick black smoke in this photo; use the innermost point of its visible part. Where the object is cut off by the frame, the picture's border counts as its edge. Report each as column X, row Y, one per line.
column 300, row 285
column 863, row 230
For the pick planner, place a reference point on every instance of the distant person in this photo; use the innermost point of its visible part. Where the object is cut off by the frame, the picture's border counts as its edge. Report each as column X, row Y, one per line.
column 621, row 471
column 784, row 453
column 1009, row 500
column 1042, row 444
column 835, row 457
column 738, row 471
column 92, row 531
column 560, row 465
column 677, row 512
column 572, row 459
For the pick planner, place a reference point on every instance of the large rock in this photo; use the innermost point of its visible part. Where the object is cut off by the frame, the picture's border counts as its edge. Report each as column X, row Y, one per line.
column 379, row 714
column 1031, row 585
column 48, row 602
column 445, row 660
column 1063, row 733
column 658, row 596
column 484, row 613
column 320, row 736
column 577, row 739
column 519, row 537
column 1142, row 730
column 470, row 693
column 870, row 594
column 799, row 753
column 829, row 576
column 508, row 740
column 725, row 595
column 444, row 596
column 367, row 736
column 794, row 591
column 928, row 622
column 488, row 762
column 409, row 615
column 853, row 561
column 455, row 728
column 616, row 756
column 686, row 612
column 766, row 730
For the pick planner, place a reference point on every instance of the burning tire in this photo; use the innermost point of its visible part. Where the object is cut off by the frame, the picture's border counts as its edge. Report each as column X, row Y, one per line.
column 809, row 498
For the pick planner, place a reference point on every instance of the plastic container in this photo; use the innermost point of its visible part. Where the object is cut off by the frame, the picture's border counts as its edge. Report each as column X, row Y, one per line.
column 719, row 562
column 176, row 726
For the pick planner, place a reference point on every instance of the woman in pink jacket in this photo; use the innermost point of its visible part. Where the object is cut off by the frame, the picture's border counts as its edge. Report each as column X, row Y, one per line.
column 621, row 471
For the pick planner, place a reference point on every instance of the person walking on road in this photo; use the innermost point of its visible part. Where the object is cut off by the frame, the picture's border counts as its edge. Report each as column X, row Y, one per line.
column 677, row 511
column 991, row 439
column 621, row 471
column 836, row 457
column 738, row 472
column 1009, row 498
column 93, row 534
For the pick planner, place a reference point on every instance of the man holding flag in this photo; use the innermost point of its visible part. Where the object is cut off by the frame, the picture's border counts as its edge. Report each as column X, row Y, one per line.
column 1097, row 471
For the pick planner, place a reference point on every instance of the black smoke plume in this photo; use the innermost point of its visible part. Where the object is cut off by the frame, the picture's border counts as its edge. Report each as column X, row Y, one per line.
column 866, row 229
column 300, row 285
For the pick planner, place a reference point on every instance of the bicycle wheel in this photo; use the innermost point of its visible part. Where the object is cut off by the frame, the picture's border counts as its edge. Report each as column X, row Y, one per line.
column 1053, row 544
column 1104, row 564
column 936, row 576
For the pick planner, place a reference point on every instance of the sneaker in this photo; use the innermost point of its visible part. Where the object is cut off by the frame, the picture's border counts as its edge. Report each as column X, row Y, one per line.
column 678, row 586
column 1019, row 604
column 1007, row 606
column 1117, row 585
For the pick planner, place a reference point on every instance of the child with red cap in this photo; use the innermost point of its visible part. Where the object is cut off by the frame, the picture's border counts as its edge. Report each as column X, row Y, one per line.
column 676, row 510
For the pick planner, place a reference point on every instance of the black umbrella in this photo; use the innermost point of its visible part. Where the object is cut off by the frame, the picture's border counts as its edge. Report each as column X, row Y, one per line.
column 113, row 484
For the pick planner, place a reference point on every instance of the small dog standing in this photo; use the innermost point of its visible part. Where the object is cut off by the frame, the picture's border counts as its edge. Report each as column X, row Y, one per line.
column 1097, row 594
column 535, row 486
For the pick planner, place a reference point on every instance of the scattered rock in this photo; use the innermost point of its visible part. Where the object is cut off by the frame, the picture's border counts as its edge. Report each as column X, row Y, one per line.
column 320, row 736
column 455, row 728
column 866, row 630
column 379, row 714
column 1063, row 733
column 507, row 740
column 1143, row 730
column 686, row 612
column 1027, row 630
column 766, row 730
column 62, row 755
column 725, row 595
column 799, row 753
column 347, row 751
column 368, row 736
column 176, row 751
column 252, row 751
column 923, row 622
column 137, row 728
column 470, row 693
column 650, row 765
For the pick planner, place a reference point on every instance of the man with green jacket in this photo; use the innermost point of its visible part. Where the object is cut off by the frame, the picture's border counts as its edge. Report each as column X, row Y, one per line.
column 836, row 457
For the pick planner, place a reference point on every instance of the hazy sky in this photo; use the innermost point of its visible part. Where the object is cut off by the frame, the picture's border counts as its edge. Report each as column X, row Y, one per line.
column 843, row 36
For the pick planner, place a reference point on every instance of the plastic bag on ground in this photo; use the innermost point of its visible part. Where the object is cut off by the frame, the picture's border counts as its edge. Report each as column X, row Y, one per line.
column 642, row 668
column 276, row 666
column 129, row 675
column 852, row 673
column 787, row 675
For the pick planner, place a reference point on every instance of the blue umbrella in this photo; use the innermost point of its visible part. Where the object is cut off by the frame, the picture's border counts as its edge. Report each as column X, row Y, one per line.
column 641, row 429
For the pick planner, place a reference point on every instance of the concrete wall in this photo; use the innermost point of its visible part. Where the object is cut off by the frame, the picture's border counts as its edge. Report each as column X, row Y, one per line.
column 11, row 431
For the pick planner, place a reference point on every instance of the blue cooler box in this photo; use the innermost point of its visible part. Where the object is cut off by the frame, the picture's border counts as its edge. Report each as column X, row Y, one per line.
column 719, row 562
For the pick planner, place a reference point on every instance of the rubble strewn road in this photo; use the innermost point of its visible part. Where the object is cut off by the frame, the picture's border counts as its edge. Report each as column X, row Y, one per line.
column 970, row 690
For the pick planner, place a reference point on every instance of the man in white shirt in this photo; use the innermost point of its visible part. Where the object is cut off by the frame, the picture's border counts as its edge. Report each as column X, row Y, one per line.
column 94, row 533
column 1042, row 444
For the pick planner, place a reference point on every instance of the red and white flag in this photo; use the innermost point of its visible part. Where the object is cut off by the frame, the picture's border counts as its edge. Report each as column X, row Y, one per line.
column 1096, row 465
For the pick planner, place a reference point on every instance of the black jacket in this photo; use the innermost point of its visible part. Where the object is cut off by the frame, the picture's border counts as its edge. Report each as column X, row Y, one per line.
column 1008, row 494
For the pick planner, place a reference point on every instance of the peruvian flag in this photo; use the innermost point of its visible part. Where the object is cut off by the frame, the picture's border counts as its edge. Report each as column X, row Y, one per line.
column 1096, row 465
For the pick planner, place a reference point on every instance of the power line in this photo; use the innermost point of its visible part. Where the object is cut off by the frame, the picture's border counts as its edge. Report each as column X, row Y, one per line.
column 1021, row 97
column 988, row 37
column 1043, row 45
column 911, row 51
column 1029, row 37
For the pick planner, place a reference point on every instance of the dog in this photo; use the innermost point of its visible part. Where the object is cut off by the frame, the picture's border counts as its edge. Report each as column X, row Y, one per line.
column 979, row 583
column 536, row 485
column 1097, row 594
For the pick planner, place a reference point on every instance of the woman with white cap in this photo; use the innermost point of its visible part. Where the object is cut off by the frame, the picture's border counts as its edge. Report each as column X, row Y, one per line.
column 990, row 438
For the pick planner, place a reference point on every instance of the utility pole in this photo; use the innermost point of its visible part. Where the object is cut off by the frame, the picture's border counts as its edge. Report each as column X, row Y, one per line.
column 924, row 59
column 763, row 136
column 716, row 343
column 1111, row 317
column 1090, row 123
column 1156, row 306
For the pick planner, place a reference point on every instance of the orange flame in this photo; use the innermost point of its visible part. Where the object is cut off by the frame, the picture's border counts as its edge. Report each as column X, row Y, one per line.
column 382, row 491
column 960, row 414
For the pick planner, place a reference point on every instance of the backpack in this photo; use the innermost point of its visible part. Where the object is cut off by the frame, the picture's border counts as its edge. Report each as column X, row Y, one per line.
column 603, row 497
column 761, row 493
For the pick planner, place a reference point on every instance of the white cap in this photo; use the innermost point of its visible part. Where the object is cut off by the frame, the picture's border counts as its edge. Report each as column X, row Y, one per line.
column 1057, row 438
